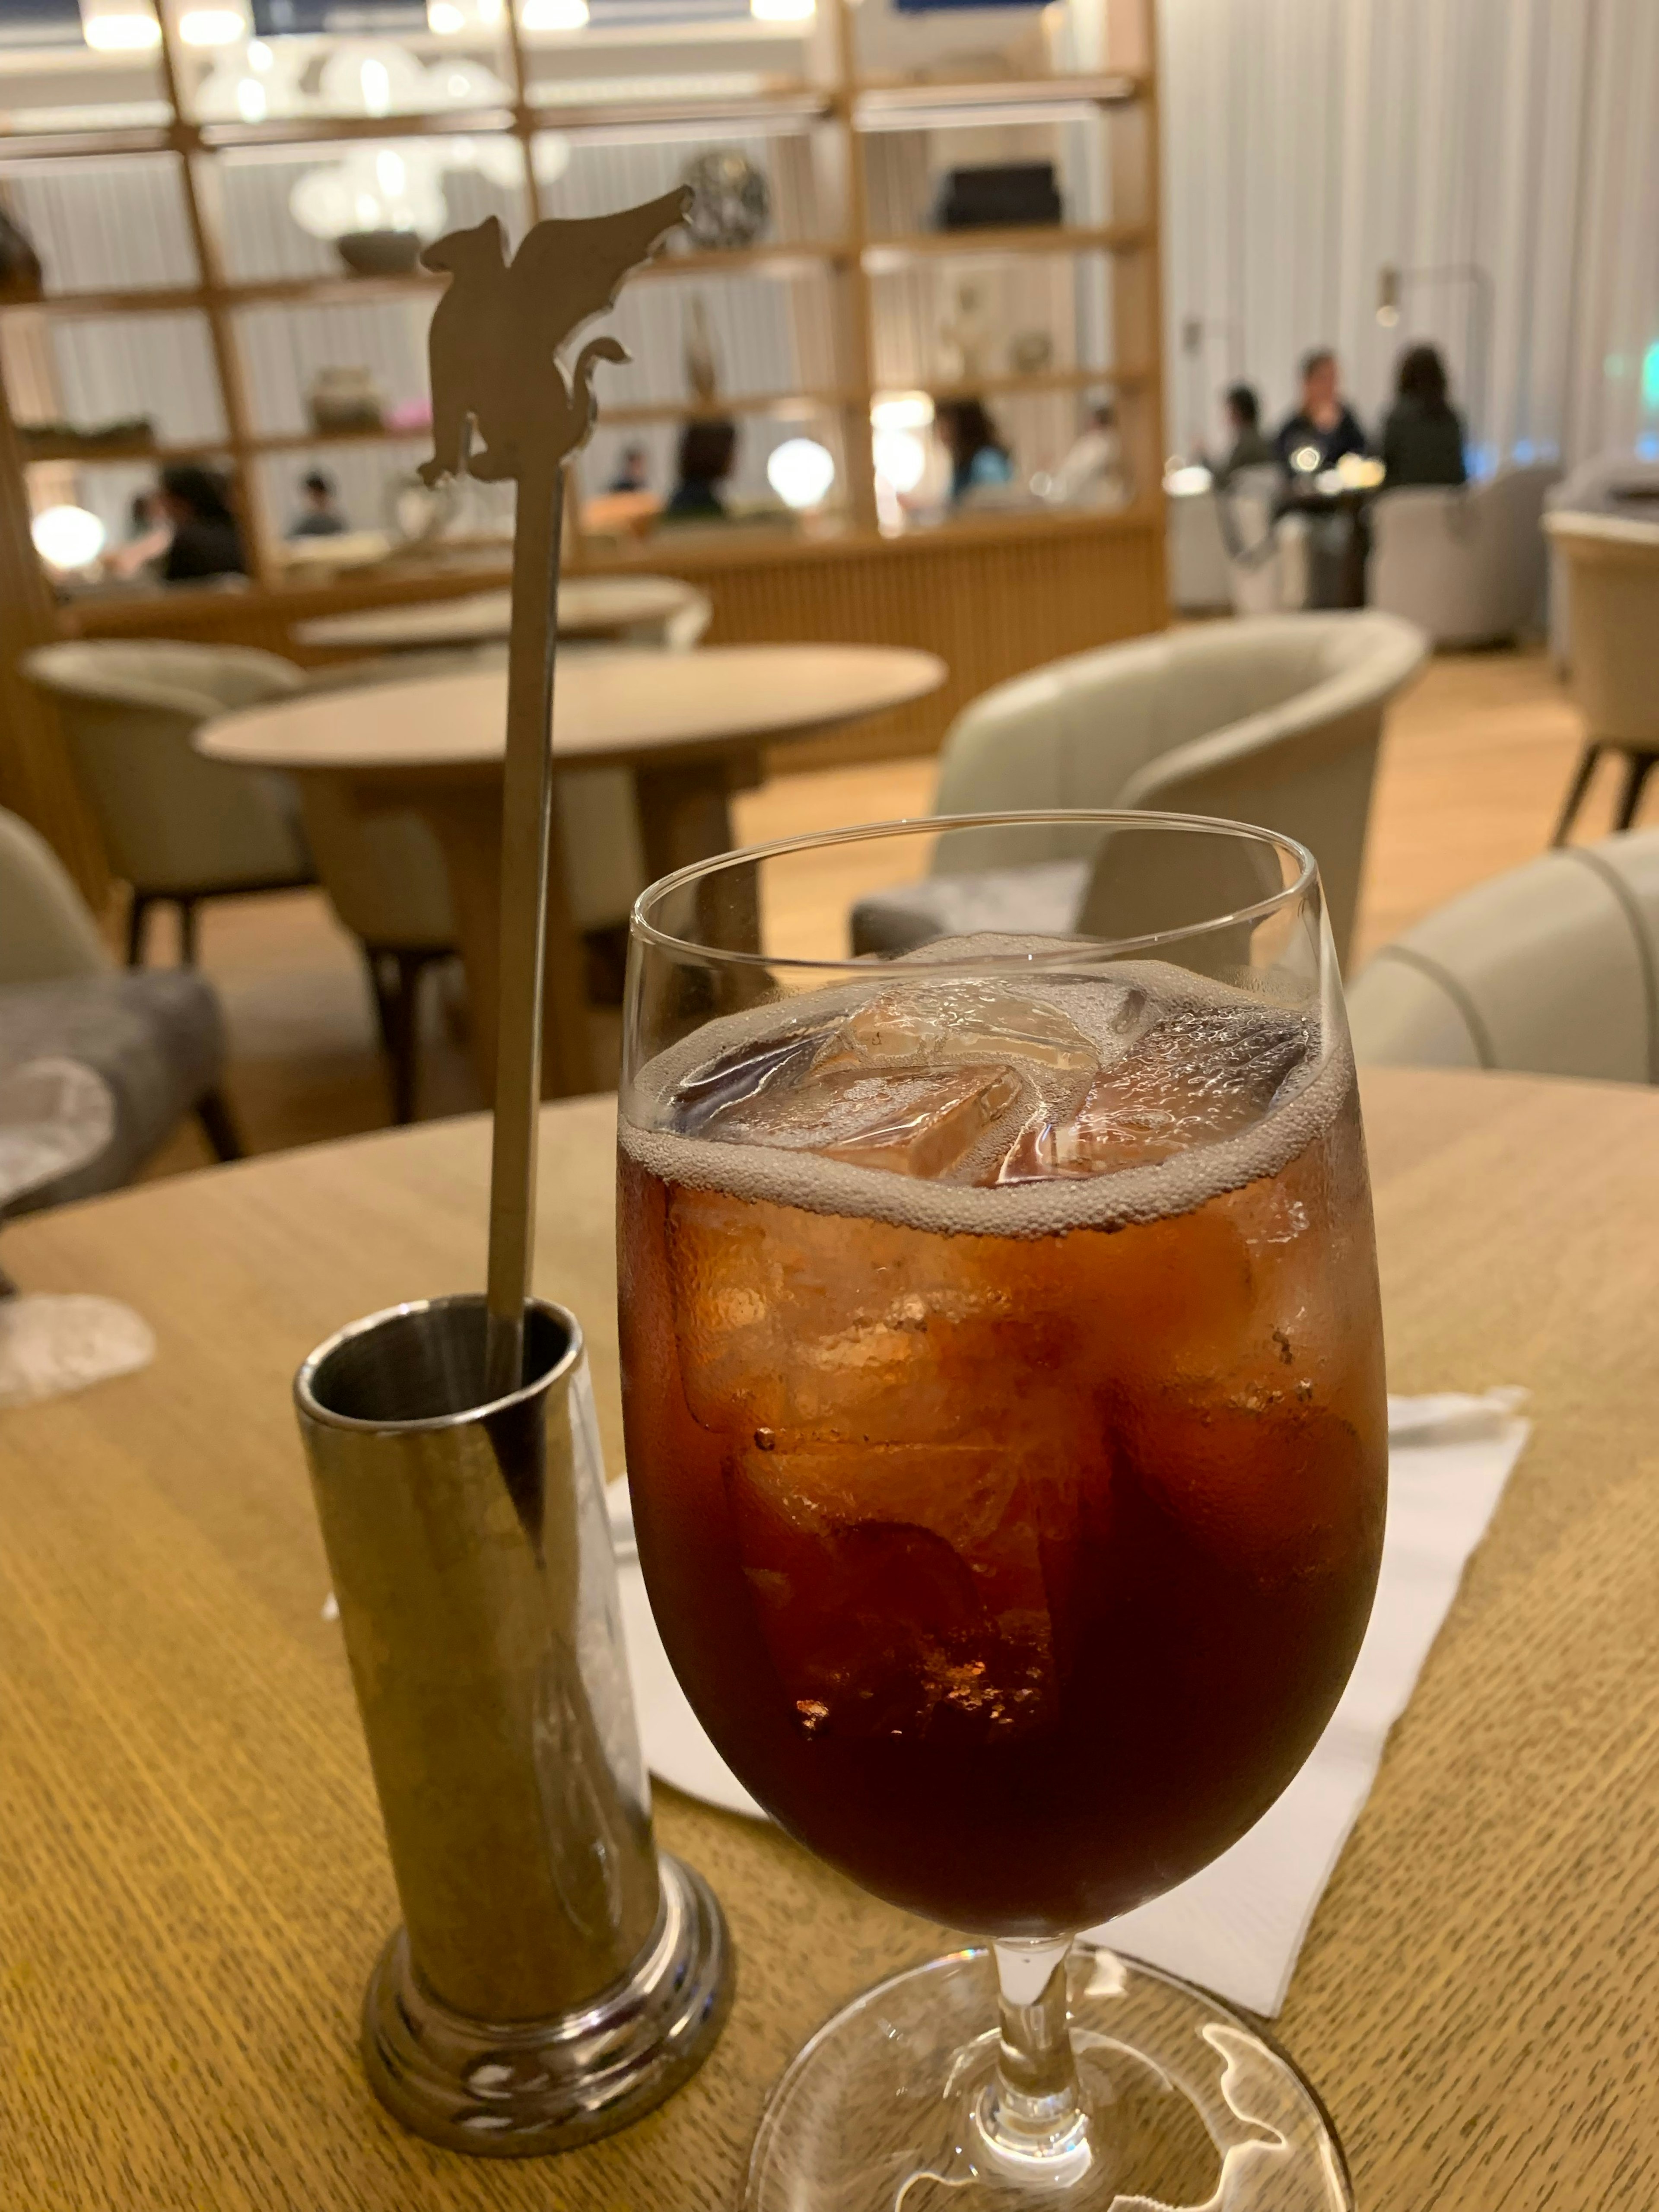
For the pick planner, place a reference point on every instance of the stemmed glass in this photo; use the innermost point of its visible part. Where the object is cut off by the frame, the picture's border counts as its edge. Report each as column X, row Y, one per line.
column 1002, row 1371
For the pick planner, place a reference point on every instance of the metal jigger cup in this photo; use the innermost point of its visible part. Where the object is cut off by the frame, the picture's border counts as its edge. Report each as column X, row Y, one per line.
column 553, row 1979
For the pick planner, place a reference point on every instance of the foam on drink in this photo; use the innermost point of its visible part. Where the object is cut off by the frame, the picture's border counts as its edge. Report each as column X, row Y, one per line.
column 1065, row 1099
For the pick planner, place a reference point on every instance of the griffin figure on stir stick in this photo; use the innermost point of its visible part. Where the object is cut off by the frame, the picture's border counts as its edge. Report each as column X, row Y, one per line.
column 504, row 408
column 500, row 320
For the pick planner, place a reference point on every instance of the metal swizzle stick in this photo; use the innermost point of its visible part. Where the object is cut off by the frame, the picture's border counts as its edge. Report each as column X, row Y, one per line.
column 554, row 1976
column 495, row 376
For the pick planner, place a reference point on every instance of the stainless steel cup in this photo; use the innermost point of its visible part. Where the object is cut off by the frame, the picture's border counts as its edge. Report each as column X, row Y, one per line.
column 553, row 1979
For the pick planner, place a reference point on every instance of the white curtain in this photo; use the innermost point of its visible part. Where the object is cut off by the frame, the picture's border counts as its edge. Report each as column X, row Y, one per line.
column 1307, row 142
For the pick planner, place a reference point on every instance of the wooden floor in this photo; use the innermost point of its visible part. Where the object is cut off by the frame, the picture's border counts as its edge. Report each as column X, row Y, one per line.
column 1474, row 764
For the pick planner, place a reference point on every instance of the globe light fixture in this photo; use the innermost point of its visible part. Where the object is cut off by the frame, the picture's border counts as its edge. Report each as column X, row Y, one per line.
column 800, row 471
column 901, row 456
column 119, row 27
column 68, row 538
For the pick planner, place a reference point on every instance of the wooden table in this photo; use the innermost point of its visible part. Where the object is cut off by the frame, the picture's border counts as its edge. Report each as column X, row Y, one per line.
column 589, row 606
column 690, row 726
column 193, row 1879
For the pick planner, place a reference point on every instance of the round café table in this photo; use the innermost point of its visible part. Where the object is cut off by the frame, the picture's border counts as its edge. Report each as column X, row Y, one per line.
column 195, row 1879
column 589, row 606
column 690, row 727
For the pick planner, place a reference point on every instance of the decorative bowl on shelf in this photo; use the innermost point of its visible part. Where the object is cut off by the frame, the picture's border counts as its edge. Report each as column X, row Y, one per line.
column 732, row 202
column 379, row 252
column 346, row 399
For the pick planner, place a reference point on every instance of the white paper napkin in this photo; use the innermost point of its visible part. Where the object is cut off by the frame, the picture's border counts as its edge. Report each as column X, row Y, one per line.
column 1238, row 1927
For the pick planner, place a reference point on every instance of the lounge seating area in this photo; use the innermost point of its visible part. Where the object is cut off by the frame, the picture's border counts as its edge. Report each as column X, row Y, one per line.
column 828, row 1106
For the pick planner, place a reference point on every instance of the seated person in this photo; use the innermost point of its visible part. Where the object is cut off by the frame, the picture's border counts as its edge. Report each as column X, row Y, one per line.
column 633, row 471
column 978, row 456
column 1249, row 445
column 320, row 516
column 1323, row 427
column 206, row 540
column 1091, row 473
column 147, row 539
column 708, row 449
column 1422, row 437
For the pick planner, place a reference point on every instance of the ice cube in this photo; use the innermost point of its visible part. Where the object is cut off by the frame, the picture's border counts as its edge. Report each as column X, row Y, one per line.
column 739, row 1074
column 813, row 1325
column 1197, row 1076
column 902, row 1590
column 1279, row 1495
column 910, row 1122
column 945, row 1024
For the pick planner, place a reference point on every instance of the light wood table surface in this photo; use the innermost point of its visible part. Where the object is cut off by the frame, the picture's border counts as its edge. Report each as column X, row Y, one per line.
column 589, row 606
column 689, row 727
column 193, row 1879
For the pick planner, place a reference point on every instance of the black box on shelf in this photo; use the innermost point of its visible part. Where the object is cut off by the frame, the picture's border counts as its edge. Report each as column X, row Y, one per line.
column 1004, row 194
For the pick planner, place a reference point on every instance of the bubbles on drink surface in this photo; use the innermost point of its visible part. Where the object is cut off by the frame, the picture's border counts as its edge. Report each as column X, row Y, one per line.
column 981, row 1082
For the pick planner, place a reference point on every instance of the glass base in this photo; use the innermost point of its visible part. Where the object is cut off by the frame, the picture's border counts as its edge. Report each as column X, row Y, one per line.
column 1188, row 2108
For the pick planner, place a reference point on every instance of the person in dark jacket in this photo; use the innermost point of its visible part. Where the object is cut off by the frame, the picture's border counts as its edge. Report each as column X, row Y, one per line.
column 1422, row 439
column 708, row 449
column 1250, row 447
column 206, row 541
column 1323, row 427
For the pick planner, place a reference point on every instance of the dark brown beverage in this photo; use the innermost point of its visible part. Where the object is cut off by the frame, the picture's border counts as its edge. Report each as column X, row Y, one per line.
column 1006, row 1425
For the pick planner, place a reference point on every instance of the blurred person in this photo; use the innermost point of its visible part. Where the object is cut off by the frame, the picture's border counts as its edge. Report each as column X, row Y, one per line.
column 147, row 539
column 1249, row 445
column 1323, row 427
column 319, row 514
column 633, row 471
column 1091, row 473
column 978, row 456
column 708, row 449
column 1422, row 439
column 206, row 539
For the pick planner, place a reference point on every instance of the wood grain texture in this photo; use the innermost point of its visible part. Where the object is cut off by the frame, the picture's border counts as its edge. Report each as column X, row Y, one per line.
column 193, row 1880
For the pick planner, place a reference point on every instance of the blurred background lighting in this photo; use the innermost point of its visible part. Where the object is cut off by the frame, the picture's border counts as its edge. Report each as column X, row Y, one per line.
column 67, row 537
column 801, row 472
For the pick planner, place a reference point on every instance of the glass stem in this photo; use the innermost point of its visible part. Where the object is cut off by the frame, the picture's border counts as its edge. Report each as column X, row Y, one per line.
column 1030, row 2117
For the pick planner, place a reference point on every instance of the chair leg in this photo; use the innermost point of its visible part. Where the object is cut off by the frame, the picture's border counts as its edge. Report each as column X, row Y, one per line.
column 1637, row 770
column 404, row 1043
column 383, row 988
column 217, row 1127
column 188, row 938
column 137, row 917
column 1575, row 799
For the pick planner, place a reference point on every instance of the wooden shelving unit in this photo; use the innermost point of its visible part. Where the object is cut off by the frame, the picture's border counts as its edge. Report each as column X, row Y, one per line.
column 1035, row 582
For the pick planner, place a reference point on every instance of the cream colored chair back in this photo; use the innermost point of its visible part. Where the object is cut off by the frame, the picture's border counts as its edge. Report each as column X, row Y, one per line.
column 1612, row 610
column 1275, row 722
column 172, row 824
column 46, row 931
column 384, row 874
column 1610, row 483
column 1465, row 563
column 1550, row 970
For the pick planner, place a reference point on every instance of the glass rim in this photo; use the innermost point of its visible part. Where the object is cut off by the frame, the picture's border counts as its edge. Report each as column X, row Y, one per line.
column 642, row 927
